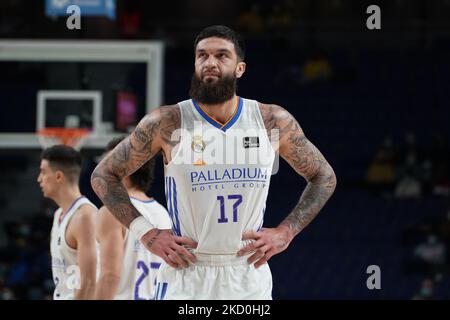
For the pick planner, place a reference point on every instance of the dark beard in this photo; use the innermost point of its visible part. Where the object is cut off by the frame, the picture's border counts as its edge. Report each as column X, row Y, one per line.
column 213, row 93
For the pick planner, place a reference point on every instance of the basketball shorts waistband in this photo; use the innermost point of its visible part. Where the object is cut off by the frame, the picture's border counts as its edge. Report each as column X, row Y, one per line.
column 219, row 260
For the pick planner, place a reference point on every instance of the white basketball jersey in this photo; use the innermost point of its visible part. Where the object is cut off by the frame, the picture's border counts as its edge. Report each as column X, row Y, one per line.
column 64, row 258
column 139, row 268
column 218, row 179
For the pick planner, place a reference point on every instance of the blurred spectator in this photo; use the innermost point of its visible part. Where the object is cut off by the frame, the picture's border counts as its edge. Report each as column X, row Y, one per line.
column 429, row 256
column 6, row 294
column 410, row 145
column 251, row 21
column 432, row 251
column 432, row 224
column 409, row 179
column 420, row 173
column 439, row 157
column 25, row 271
column 316, row 69
column 280, row 18
column 441, row 183
column 381, row 172
column 427, row 290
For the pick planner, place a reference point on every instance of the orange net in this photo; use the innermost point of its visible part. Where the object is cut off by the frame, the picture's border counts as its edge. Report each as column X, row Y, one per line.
column 69, row 136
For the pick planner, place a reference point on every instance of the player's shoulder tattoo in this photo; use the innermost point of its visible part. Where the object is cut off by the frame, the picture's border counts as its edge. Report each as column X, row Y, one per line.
column 159, row 123
column 278, row 118
column 170, row 122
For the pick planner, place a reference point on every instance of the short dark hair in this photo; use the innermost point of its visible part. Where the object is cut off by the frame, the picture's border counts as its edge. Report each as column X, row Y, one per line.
column 144, row 176
column 65, row 159
column 223, row 32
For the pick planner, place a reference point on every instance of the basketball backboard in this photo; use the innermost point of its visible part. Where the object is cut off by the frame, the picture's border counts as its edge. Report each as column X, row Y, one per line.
column 76, row 83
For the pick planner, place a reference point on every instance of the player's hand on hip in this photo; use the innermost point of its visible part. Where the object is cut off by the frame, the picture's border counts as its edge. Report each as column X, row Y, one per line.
column 169, row 247
column 268, row 242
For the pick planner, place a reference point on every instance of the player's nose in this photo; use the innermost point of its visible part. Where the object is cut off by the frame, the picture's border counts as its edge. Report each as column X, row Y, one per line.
column 210, row 62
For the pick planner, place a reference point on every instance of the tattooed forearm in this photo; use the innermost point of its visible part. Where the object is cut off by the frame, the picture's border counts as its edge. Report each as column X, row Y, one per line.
column 114, row 195
column 107, row 178
column 129, row 155
column 307, row 161
column 311, row 202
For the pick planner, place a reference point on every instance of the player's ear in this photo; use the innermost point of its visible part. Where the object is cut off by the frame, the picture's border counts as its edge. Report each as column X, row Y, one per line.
column 127, row 182
column 240, row 69
column 59, row 175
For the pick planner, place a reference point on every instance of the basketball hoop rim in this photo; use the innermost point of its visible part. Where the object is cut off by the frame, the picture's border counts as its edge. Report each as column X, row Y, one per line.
column 73, row 137
column 55, row 131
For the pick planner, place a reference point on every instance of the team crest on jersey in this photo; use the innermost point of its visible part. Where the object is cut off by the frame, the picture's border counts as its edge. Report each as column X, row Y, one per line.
column 251, row 142
column 198, row 145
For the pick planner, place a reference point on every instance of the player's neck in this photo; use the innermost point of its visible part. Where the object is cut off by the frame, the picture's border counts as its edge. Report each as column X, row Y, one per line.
column 138, row 194
column 222, row 111
column 67, row 196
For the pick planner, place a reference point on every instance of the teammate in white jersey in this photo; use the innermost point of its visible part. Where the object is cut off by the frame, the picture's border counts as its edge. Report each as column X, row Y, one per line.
column 128, row 269
column 217, row 170
column 72, row 245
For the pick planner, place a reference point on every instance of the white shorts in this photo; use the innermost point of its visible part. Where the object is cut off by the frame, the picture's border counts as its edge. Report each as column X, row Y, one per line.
column 215, row 277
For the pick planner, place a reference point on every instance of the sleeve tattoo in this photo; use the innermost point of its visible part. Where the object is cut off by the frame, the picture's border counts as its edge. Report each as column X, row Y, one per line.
column 307, row 161
column 128, row 156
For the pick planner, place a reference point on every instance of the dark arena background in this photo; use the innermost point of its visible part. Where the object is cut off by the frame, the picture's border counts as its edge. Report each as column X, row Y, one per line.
column 373, row 98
